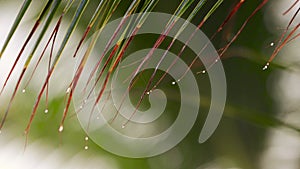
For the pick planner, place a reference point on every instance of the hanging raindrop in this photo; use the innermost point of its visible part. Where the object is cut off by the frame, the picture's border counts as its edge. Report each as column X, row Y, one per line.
column 266, row 66
column 61, row 128
column 68, row 90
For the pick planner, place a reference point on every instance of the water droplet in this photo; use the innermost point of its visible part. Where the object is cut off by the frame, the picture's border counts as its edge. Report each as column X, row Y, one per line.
column 272, row 44
column 80, row 107
column 86, row 138
column 266, row 66
column 203, row 71
column 178, row 80
column 68, row 90
column 86, row 147
column 61, row 128
column 23, row 91
column 98, row 117
column 148, row 93
column 84, row 101
column 216, row 60
column 46, row 111
column 123, row 126
column 173, row 83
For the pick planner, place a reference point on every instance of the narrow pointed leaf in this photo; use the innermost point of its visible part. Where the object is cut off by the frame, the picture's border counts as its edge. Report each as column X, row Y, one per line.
column 15, row 24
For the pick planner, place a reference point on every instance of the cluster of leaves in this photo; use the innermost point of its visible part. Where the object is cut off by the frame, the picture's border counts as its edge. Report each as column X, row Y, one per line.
column 107, row 65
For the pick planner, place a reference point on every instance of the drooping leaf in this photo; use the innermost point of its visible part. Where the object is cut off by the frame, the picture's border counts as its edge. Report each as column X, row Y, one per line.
column 70, row 30
column 16, row 23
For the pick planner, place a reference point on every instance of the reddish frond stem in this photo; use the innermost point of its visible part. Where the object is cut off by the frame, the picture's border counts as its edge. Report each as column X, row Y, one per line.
column 106, row 49
column 231, row 14
column 289, row 36
column 20, row 53
column 86, row 32
column 53, row 36
column 50, row 71
column 228, row 18
column 103, row 68
column 262, row 4
column 294, row 4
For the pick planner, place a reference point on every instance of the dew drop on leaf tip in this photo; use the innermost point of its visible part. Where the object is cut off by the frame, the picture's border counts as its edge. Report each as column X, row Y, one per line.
column 46, row 111
column 68, row 90
column 86, row 138
column 23, row 91
column 266, row 66
column 61, row 128
column 86, row 147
